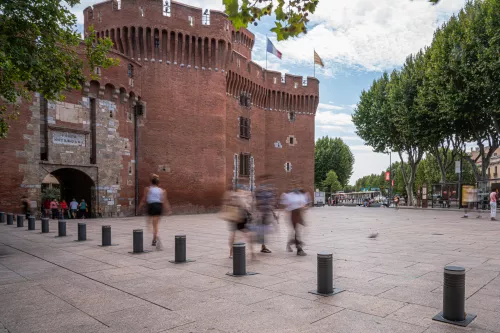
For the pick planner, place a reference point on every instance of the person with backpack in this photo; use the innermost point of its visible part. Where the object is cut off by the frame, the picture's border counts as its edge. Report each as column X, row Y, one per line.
column 236, row 211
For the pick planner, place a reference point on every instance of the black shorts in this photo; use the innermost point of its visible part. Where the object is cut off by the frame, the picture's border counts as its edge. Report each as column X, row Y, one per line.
column 155, row 209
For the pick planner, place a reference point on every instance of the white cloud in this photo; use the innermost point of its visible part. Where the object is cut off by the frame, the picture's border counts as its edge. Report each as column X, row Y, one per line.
column 324, row 106
column 330, row 118
column 368, row 35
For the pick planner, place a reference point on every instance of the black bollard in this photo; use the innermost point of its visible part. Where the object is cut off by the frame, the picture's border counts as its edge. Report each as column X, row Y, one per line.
column 61, row 228
column 45, row 225
column 180, row 250
column 325, row 275
column 20, row 221
column 10, row 219
column 2, row 217
column 454, row 298
column 240, row 261
column 82, row 232
column 138, row 241
column 106, row 235
column 31, row 223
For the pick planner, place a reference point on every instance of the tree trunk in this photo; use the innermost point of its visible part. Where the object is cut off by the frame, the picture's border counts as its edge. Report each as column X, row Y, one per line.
column 441, row 163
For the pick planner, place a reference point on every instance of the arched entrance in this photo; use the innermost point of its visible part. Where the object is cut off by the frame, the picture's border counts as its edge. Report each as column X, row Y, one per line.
column 75, row 184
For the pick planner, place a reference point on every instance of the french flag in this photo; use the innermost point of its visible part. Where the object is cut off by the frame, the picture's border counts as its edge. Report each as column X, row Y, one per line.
column 272, row 49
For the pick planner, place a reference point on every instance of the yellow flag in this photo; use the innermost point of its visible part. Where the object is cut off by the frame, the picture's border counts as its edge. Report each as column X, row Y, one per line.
column 317, row 60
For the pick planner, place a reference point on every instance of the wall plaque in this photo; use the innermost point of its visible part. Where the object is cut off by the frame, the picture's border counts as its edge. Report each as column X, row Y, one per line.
column 68, row 139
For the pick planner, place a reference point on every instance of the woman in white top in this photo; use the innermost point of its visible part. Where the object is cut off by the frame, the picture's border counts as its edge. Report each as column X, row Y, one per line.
column 156, row 199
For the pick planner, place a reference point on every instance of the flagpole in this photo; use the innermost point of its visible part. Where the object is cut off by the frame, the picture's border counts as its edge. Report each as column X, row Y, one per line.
column 314, row 62
column 266, row 52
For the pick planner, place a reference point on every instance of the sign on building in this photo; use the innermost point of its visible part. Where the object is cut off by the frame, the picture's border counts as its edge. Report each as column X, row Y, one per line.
column 68, row 139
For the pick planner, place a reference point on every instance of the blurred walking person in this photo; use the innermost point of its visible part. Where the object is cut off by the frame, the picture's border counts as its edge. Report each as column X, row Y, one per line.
column 26, row 208
column 156, row 199
column 493, row 204
column 54, row 207
column 236, row 210
column 296, row 202
column 470, row 198
column 64, row 209
column 82, row 209
column 73, row 206
column 265, row 202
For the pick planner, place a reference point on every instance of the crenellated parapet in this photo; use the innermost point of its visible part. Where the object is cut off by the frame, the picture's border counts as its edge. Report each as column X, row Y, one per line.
column 271, row 90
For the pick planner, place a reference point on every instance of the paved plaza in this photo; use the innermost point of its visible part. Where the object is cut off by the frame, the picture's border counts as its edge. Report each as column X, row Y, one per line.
column 392, row 283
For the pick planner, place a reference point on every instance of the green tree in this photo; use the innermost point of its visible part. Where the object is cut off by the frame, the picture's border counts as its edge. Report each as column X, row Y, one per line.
column 40, row 51
column 332, row 154
column 331, row 183
column 291, row 16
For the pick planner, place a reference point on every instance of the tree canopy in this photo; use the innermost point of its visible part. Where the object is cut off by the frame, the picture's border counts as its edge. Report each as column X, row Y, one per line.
column 332, row 154
column 331, row 183
column 442, row 97
column 40, row 51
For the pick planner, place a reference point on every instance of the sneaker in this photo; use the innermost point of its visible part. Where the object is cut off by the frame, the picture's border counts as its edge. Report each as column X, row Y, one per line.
column 153, row 243
column 493, row 219
column 265, row 250
column 289, row 248
column 159, row 245
column 301, row 253
column 465, row 217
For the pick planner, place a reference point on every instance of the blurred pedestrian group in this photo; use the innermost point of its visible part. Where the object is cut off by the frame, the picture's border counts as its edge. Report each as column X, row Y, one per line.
column 55, row 209
column 254, row 216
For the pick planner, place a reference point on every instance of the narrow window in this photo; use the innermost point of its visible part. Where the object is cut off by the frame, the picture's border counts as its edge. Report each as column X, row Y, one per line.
column 244, row 164
column 291, row 140
column 131, row 71
column 157, row 43
column 296, row 85
column 99, row 17
column 166, row 8
column 191, row 20
column 205, row 20
column 244, row 128
column 288, row 167
column 275, row 80
column 291, row 116
column 141, row 10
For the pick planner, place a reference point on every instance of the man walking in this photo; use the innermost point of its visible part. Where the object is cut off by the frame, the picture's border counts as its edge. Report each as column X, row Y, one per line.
column 493, row 204
column 295, row 202
column 73, row 206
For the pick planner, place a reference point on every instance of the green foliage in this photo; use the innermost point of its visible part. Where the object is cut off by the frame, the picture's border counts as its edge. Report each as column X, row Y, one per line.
column 39, row 52
column 51, row 193
column 332, row 154
column 291, row 16
column 331, row 183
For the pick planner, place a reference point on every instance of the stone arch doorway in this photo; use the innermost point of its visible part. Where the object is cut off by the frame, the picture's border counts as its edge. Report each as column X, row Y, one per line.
column 76, row 184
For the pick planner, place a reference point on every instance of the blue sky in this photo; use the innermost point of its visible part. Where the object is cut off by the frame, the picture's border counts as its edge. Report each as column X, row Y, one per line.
column 357, row 40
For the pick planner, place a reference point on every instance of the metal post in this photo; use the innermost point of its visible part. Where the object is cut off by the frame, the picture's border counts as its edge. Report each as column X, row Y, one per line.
column 325, row 275
column 10, row 219
column 31, row 223
column 239, row 259
column 138, row 241
column 454, row 298
column 61, row 228
column 106, row 235
column 180, row 250
column 390, row 178
column 45, row 225
column 20, row 221
column 2, row 217
column 82, row 232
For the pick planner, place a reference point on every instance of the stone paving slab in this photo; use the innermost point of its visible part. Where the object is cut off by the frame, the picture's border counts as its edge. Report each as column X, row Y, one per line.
column 392, row 283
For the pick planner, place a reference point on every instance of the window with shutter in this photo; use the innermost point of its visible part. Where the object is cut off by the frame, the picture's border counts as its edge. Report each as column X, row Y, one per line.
column 244, row 128
column 244, row 164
